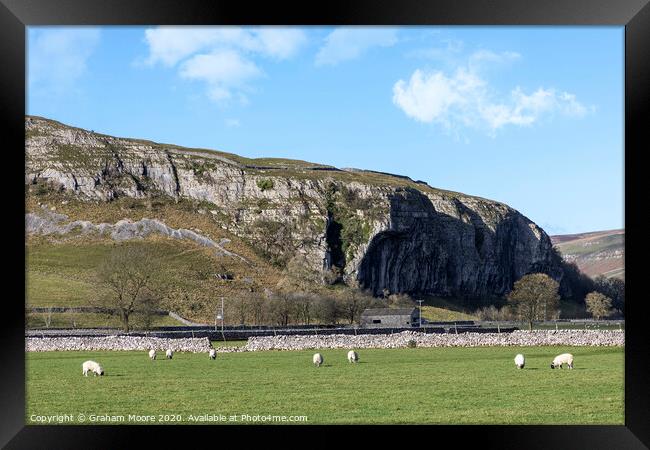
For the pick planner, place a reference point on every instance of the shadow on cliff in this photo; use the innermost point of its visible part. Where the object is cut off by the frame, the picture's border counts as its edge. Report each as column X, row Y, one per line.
column 427, row 251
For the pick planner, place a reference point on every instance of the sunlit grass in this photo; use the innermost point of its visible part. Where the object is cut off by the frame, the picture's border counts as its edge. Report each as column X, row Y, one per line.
column 437, row 385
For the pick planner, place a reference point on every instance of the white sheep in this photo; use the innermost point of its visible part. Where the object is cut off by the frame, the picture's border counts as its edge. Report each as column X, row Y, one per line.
column 564, row 358
column 169, row 353
column 152, row 354
column 92, row 366
column 318, row 359
column 352, row 356
column 213, row 354
column 519, row 361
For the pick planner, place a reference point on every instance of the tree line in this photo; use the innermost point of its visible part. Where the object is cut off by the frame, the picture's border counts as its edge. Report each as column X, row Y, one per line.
column 134, row 288
column 535, row 297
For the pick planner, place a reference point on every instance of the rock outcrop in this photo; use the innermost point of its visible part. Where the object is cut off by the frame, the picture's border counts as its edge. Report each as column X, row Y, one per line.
column 385, row 232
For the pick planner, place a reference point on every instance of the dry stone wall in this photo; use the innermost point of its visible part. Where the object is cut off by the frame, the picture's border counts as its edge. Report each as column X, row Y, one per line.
column 401, row 340
column 193, row 345
column 588, row 338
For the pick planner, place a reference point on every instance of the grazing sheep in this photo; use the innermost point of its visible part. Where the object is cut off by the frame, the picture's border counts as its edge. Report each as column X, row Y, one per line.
column 169, row 354
column 318, row 359
column 92, row 366
column 213, row 354
column 152, row 354
column 564, row 358
column 519, row 361
column 352, row 356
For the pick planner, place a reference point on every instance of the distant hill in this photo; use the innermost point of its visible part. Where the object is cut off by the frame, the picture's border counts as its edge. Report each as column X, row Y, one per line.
column 595, row 253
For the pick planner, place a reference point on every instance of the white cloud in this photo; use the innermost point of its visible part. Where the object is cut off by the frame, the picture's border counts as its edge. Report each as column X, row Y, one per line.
column 222, row 70
column 451, row 47
column 465, row 98
column 232, row 123
column 348, row 43
column 57, row 58
column 280, row 43
column 222, row 57
column 428, row 98
column 169, row 45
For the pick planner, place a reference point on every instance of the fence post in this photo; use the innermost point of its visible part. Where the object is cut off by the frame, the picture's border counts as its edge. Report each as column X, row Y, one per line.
column 498, row 327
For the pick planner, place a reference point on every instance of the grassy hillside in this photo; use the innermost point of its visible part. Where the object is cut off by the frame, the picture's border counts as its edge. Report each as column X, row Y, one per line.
column 596, row 253
column 390, row 386
column 61, row 270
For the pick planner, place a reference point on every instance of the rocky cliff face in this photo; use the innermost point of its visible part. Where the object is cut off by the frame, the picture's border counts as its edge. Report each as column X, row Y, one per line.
column 382, row 231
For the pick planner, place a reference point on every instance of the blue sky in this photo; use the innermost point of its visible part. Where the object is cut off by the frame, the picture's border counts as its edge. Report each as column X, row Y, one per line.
column 529, row 116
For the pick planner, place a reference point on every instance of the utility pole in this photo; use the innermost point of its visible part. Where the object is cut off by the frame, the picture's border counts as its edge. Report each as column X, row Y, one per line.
column 219, row 316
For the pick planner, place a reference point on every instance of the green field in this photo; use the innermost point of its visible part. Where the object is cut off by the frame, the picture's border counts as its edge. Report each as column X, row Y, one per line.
column 421, row 385
column 435, row 314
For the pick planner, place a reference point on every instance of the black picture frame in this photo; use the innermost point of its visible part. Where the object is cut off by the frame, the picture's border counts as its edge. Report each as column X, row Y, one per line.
column 15, row 15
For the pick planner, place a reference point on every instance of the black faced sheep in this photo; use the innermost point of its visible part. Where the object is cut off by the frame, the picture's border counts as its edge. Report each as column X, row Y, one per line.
column 519, row 361
column 564, row 358
column 92, row 366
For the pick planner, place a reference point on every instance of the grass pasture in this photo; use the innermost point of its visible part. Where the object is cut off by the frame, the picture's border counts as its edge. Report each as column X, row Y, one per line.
column 387, row 386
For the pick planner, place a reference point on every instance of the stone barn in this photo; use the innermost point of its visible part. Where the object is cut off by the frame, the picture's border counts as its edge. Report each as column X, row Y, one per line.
column 390, row 317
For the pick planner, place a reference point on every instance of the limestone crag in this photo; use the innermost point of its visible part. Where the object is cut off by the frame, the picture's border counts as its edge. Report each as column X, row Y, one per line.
column 385, row 232
column 46, row 222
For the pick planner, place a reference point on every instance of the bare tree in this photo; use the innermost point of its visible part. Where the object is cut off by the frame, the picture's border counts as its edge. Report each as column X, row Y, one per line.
column 326, row 310
column 352, row 305
column 598, row 305
column 129, row 274
column 281, row 309
column 257, row 308
column 238, row 307
column 304, row 307
column 535, row 297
